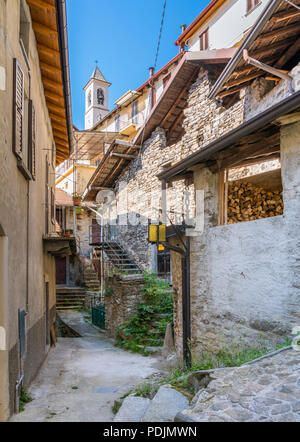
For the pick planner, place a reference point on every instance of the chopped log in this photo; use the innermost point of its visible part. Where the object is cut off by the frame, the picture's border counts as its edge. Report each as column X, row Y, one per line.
column 247, row 202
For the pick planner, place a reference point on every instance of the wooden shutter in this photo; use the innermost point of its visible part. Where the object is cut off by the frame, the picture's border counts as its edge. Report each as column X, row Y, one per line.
column 53, row 206
column 18, row 108
column 31, row 140
column 47, row 198
column 204, row 41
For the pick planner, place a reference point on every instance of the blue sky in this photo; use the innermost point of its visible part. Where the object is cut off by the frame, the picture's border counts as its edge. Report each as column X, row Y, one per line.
column 122, row 35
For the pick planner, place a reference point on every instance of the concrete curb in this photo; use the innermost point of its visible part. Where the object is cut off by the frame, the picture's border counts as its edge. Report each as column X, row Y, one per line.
column 273, row 353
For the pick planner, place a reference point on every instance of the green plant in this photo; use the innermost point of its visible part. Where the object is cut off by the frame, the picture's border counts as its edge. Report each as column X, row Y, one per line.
column 74, row 388
column 178, row 378
column 24, row 399
column 147, row 327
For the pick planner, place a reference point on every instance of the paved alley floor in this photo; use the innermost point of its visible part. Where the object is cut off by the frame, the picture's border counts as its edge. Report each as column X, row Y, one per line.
column 82, row 377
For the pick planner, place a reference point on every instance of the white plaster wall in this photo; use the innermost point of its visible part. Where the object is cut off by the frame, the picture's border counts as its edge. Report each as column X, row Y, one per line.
column 228, row 25
column 67, row 184
column 245, row 278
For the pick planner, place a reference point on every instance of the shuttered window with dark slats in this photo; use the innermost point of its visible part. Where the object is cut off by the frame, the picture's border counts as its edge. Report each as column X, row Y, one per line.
column 18, row 109
column 32, row 140
column 52, row 206
column 47, row 198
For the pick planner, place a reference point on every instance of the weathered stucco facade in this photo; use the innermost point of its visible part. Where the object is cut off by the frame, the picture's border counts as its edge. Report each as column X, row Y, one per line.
column 27, row 272
column 245, row 277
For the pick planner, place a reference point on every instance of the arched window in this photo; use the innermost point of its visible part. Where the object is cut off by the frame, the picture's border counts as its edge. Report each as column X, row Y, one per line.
column 89, row 99
column 100, row 97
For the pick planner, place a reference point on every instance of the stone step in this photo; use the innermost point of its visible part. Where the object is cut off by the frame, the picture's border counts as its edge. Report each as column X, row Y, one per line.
column 133, row 409
column 166, row 404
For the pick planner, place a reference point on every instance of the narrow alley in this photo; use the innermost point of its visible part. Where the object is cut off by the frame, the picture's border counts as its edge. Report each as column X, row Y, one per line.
column 82, row 377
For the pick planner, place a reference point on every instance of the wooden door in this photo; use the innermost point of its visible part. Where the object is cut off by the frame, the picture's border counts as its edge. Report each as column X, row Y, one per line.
column 61, row 270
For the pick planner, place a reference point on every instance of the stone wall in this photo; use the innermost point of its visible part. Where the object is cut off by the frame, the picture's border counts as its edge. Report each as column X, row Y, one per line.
column 122, row 294
column 245, row 277
column 262, row 94
column 138, row 186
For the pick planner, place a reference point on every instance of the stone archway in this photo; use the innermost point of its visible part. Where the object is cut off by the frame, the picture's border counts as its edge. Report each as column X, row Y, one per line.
column 4, row 378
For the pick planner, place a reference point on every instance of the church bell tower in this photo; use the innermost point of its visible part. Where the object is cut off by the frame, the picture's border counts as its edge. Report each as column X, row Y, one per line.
column 96, row 99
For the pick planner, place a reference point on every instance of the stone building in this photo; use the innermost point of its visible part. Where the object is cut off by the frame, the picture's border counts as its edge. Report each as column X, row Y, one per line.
column 171, row 120
column 186, row 119
column 244, row 275
column 36, row 135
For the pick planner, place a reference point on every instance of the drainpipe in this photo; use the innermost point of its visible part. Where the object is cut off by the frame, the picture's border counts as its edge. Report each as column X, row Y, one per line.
column 4, row 351
column 27, row 248
column 185, row 272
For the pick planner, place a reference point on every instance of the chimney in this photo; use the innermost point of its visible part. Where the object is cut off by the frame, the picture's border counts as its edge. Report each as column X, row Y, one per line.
column 151, row 72
column 183, row 28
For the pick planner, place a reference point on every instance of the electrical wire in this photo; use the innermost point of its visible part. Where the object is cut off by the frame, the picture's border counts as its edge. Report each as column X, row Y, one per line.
column 160, row 34
column 292, row 4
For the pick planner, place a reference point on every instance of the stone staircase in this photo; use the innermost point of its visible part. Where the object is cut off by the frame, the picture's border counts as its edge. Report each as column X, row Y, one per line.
column 68, row 298
column 119, row 258
column 91, row 279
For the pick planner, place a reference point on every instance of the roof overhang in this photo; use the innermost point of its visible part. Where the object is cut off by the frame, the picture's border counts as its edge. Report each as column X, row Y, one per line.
column 168, row 110
column 90, row 144
column 273, row 40
column 117, row 157
column 50, row 27
column 127, row 98
column 205, row 154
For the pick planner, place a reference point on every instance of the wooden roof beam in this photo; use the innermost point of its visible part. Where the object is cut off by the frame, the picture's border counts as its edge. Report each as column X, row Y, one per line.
column 42, row 4
column 53, row 85
column 123, row 155
column 271, row 48
column 42, row 29
column 50, row 68
column 48, row 51
column 176, row 122
column 279, row 32
column 289, row 53
column 52, row 96
column 180, row 96
column 265, row 67
column 284, row 15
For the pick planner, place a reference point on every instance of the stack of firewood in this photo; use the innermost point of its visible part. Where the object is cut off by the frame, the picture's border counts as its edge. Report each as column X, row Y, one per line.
column 247, row 202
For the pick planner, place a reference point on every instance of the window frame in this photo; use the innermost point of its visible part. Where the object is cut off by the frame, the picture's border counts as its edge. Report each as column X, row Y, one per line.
column 251, row 4
column 204, row 40
column 135, row 112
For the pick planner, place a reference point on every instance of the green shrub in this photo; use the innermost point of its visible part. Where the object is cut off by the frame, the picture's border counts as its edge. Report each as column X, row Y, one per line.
column 157, row 306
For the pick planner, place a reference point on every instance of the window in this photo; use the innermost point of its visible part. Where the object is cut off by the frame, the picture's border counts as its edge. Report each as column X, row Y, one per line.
column 47, row 197
column 18, row 109
column 135, row 112
column 163, row 263
column 251, row 4
column 89, row 99
column 52, row 206
column 100, row 97
column 117, row 123
column 166, row 80
column 31, row 140
column 53, row 154
column 153, row 96
column 204, row 41
column 24, row 30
